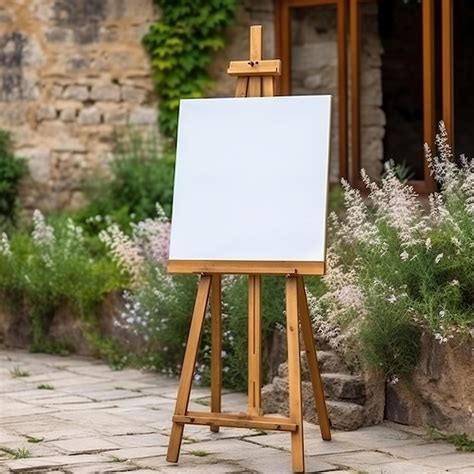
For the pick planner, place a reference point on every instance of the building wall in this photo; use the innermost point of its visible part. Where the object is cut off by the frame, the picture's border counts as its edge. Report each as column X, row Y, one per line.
column 74, row 72
column 71, row 71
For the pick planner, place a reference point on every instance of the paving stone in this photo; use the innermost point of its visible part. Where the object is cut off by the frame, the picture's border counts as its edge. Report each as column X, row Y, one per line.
column 360, row 460
column 28, row 464
column 402, row 467
column 137, row 453
column 449, row 461
column 140, row 440
column 84, row 445
column 313, row 445
column 249, row 456
column 103, row 467
column 378, row 437
column 420, row 449
column 134, row 420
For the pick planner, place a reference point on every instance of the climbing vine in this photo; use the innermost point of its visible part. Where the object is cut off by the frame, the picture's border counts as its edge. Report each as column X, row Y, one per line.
column 180, row 45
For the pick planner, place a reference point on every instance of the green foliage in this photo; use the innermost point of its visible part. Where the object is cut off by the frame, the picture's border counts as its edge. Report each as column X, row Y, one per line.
column 33, row 439
column 396, row 270
column 161, row 311
column 45, row 386
column 17, row 372
column 17, row 453
column 140, row 177
column 12, row 169
column 462, row 441
column 180, row 44
column 52, row 269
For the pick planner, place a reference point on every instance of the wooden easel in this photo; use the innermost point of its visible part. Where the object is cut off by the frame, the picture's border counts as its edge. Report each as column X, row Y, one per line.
column 255, row 78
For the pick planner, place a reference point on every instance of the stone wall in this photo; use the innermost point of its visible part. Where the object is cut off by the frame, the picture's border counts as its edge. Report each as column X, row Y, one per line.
column 441, row 391
column 70, row 72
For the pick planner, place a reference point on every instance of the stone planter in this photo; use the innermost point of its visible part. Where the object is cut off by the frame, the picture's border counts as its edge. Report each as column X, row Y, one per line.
column 67, row 327
column 441, row 391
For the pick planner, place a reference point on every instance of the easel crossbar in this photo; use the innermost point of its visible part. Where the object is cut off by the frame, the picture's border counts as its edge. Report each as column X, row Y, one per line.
column 236, row 421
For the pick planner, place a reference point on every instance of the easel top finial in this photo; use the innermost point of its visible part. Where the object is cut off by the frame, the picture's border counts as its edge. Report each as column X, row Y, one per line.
column 255, row 65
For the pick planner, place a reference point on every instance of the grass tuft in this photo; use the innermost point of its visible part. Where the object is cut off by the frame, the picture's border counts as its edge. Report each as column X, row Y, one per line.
column 17, row 372
column 45, row 386
column 33, row 439
column 199, row 453
column 18, row 453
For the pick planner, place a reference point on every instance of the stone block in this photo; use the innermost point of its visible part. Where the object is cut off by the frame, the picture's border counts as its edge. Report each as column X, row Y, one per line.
column 38, row 163
column 143, row 116
column 133, row 94
column 106, row 93
column 115, row 116
column 89, row 116
column 76, row 92
column 46, row 112
column 68, row 114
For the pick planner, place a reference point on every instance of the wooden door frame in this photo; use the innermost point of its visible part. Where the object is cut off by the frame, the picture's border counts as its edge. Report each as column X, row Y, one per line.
column 349, row 11
column 283, row 47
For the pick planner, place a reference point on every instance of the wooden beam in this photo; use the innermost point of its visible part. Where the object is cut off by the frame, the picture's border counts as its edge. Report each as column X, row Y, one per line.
column 447, row 67
column 189, row 364
column 285, row 48
column 254, row 346
column 266, row 67
column 313, row 364
column 355, row 89
column 232, row 420
column 342, row 87
column 294, row 373
column 429, row 117
column 216, row 346
column 249, row 267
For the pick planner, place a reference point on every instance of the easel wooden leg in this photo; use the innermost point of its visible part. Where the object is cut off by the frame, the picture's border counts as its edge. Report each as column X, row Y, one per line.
column 189, row 363
column 313, row 364
column 254, row 347
column 216, row 346
column 294, row 373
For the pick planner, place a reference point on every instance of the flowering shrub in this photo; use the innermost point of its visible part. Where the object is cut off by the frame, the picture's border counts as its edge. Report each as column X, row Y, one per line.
column 395, row 269
column 51, row 268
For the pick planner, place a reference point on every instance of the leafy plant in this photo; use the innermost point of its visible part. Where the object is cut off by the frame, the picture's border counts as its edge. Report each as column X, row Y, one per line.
column 140, row 177
column 396, row 270
column 50, row 269
column 180, row 44
column 462, row 441
column 12, row 169
column 45, row 386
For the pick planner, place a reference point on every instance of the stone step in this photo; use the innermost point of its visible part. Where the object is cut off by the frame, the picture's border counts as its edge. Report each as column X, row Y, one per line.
column 329, row 362
column 343, row 415
column 344, row 387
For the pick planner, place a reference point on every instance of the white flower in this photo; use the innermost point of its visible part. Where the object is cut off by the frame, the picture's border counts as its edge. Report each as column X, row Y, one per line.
column 5, row 245
column 438, row 257
column 428, row 243
column 392, row 299
column 43, row 234
column 404, row 255
column 454, row 282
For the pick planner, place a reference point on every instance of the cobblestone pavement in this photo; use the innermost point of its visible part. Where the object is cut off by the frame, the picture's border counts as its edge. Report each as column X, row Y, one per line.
column 76, row 415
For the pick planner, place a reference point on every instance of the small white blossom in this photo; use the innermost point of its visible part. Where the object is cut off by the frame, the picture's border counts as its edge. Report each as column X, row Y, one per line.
column 439, row 257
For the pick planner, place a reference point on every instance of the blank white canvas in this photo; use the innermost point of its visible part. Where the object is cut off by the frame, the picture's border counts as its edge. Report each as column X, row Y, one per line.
column 251, row 179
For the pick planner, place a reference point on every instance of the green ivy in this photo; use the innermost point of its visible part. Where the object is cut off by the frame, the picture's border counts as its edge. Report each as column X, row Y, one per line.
column 180, row 45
